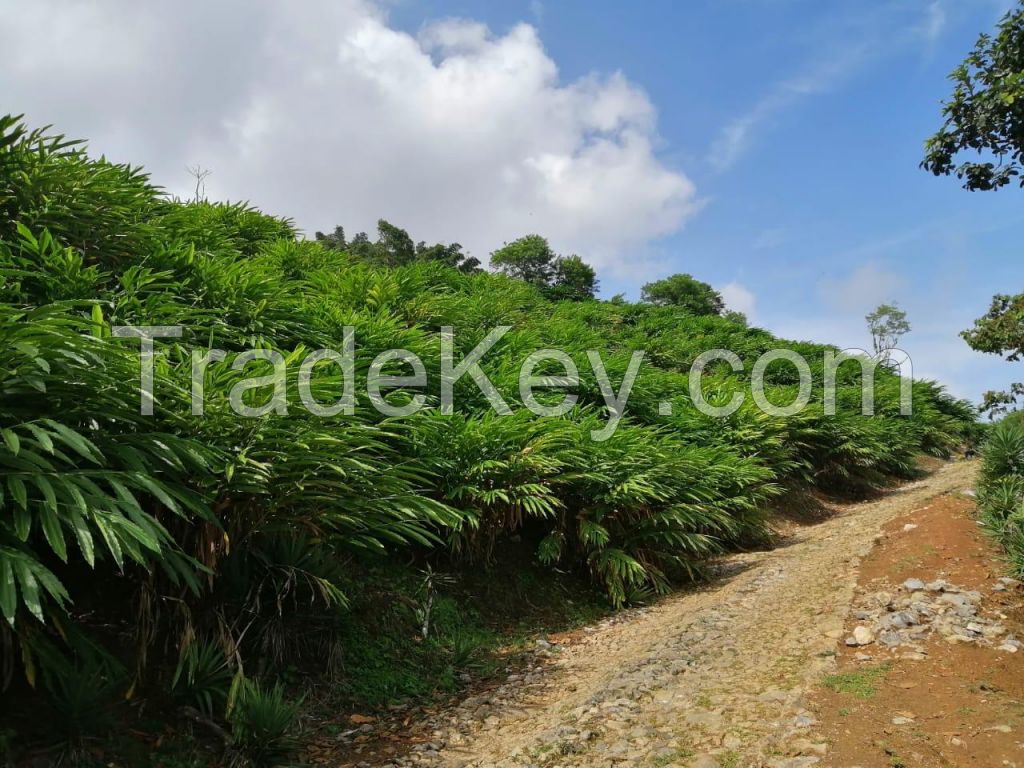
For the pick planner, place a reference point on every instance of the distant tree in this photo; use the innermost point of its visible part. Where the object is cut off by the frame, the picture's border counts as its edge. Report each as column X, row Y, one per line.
column 574, row 280
column 887, row 324
column 363, row 248
column 394, row 245
column 562, row 278
column 200, row 175
column 684, row 291
column 736, row 317
column 529, row 259
column 450, row 255
column 334, row 241
column 986, row 111
column 1001, row 332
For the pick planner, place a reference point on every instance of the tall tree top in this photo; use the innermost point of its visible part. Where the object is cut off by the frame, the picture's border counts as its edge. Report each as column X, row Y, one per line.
column 684, row 291
column 986, row 112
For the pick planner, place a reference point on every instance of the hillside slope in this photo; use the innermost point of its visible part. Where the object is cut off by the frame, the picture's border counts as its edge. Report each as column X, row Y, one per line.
column 185, row 554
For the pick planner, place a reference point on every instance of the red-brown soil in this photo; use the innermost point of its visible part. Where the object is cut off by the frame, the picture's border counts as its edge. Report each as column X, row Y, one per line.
column 963, row 705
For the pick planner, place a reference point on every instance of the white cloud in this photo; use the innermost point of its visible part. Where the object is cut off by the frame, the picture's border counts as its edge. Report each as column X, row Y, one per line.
column 323, row 111
column 862, row 289
column 739, row 298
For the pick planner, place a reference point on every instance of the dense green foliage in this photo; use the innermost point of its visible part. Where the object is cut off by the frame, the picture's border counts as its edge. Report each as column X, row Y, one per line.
column 185, row 556
column 394, row 248
column 685, row 292
column 985, row 114
column 530, row 259
column 1001, row 487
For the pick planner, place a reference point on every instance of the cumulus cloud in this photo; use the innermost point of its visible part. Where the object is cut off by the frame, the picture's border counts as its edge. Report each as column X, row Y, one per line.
column 323, row 111
column 739, row 298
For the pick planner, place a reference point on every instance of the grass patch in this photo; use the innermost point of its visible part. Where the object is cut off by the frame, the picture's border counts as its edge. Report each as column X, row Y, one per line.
column 477, row 621
column 671, row 758
column 861, row 684
column 703, row 701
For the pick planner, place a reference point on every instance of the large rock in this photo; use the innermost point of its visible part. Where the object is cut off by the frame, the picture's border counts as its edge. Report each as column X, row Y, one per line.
column 863, row 636
column 890, row 639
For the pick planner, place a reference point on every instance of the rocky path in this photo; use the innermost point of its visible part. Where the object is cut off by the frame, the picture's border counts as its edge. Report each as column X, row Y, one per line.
column 715, row 677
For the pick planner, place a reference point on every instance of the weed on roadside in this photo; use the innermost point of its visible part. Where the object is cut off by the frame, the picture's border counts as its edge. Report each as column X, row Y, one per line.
column 861, row 683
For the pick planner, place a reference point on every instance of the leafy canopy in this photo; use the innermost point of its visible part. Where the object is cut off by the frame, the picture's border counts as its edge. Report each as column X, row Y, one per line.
column 531, row 259
column 985, row 114
column 574, row 280
column 887, row 324
column 686, row 292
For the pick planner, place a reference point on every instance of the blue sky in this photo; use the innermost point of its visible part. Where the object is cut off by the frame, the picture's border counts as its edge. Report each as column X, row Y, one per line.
column 769, row 147
column 801, row 125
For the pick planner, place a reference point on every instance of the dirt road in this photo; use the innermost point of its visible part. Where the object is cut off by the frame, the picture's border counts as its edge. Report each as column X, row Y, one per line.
column 721, row 676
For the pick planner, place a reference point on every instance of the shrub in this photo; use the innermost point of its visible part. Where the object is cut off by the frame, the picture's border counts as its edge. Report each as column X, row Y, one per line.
column 1001, row 488
column 263, row 726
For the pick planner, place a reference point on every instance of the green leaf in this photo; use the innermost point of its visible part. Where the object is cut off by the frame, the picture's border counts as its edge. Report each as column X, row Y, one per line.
column 18, row 492
column 8, row 592
column 41, row 437
column 75, row 441
column 155, row 488
column 109, row 537
column 11, row 440
column 22, row 523
column 84, row 537
column 29, row 588
column 52, row 527
column 26, row 234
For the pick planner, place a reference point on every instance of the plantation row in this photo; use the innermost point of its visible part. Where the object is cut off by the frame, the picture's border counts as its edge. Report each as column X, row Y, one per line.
column 187, row 550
